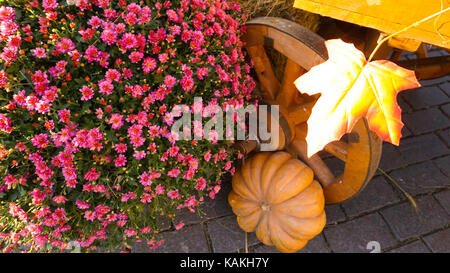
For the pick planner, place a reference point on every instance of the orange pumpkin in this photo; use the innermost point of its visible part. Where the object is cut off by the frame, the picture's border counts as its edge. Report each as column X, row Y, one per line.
column 276, row 195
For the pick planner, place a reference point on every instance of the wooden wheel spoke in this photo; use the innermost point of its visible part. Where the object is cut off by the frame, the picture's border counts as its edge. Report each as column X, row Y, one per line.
column 361, row 161
column 269, row 82
column 288, row 91
column 338, row 149
column 321, row 170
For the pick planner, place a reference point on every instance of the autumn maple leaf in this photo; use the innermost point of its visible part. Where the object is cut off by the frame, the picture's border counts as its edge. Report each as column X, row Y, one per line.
column 352, row 88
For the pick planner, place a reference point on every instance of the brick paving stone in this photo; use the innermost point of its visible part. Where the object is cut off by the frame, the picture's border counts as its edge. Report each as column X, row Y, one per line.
column 406, row 223
column 426, row 121
column 391, row 158
column 190, row 217
column 406, row 132
column 446, row 109
column 406, row 108
column 443, row 198
column 436, row 53
column 334, row 214
column 439, row 242
column 315, row 245
column 420, row 178
column 445, row 87
column 434, row 81
column 414, row 247
column 219, row 206
column 189, row 239
column 420, row 148
column 376, row 195
column 354, row 235
column 227, row 236
column 445, row 135
column 425, row 97
column 443, row 164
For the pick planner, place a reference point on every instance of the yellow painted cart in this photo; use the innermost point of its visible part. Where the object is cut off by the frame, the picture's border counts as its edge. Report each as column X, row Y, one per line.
column 364, row 23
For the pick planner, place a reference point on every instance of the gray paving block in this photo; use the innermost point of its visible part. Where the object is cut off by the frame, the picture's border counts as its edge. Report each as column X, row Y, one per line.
column 219, row 206
column 425, row 97
column 425, row 121
column 189, row 217
column 414, row 247
column 439, row 242
column 420, row 148
column 446, row 109
column 420, row 178
column 376, row 195
column 406, row 223
column 406, row 108
column 354, row 236
column 434, row 81
column 443, row 198
column 443, row 164
column 226, row 236
column 391, row 158
column 315, row 245
column 445, row 135
column 189, row 239
column 334, row 214
column 445, row 87
column 406, row 132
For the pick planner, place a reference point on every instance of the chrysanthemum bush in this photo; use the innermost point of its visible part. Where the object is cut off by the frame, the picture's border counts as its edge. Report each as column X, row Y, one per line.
column 87, row 92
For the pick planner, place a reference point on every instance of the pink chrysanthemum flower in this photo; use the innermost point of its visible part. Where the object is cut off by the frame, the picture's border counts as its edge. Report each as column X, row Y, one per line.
column 136, row 56
column 40, row 141
column 120, row 148
column 120, row 161
column 112, row 75
column 173, row 172
column 139, row 155
column 148, row 65
column 128, row 41
column 39, row 52
column 109, row 36
column 87, row 93
column 65, row 45
column 92, row 175
column 173, row 194
column 59, row 199
column 105, row 87
column 116, row 121
column 82, row 205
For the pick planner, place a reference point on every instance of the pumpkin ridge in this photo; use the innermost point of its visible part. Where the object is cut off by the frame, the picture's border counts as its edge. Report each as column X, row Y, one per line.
column 244, row 185
column 260, row 232
column 257, row 185
column 261, row 175
column 298, row 171
column 311, row 235
column 235, row 200
column 299, row 236
column 284, row 158
column 312, row 201
column 278, row 241
column 247, row 171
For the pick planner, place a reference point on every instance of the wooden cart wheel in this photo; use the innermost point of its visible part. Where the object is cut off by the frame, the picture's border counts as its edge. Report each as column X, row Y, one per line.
column 305, row 49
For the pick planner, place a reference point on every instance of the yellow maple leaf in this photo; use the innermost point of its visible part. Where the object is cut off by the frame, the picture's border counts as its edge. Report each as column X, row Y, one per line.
column 352, row 88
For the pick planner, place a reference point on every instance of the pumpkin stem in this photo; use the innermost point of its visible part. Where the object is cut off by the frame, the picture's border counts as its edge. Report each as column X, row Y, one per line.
column 265, row 207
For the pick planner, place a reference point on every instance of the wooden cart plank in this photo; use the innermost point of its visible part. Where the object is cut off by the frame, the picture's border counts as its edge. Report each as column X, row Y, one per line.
column 389, row 16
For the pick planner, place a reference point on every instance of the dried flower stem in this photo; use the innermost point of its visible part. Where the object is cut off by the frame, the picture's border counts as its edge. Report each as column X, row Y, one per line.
column 405, row 29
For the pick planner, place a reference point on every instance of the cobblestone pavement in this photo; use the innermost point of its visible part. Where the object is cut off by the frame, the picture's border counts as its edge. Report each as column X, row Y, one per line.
column 381, row 213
